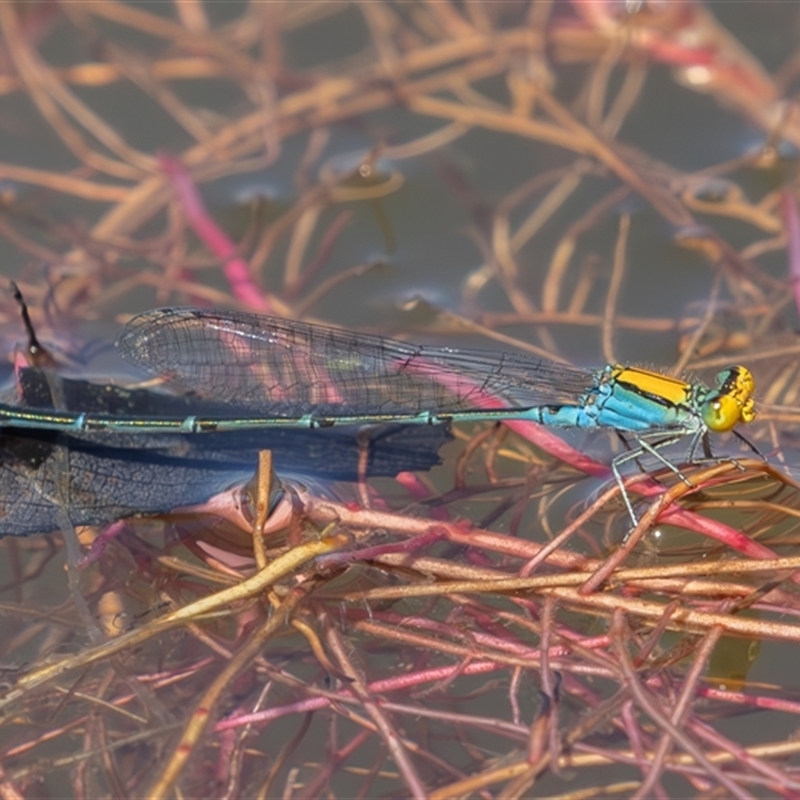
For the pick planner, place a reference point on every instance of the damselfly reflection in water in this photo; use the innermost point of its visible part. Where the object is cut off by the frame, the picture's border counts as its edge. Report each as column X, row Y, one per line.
column 111, row 474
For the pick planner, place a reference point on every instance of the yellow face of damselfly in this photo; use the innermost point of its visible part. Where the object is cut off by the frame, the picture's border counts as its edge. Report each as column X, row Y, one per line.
column 732, row 402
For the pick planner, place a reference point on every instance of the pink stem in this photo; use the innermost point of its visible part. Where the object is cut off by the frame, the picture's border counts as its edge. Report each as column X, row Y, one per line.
column 236, row 269
column 791, row 220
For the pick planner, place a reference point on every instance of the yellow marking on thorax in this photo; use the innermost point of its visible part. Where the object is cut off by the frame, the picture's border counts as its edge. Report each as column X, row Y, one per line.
column 673, row 390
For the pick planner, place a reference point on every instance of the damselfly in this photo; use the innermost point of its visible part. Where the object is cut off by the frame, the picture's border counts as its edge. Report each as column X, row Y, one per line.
column 274, row 372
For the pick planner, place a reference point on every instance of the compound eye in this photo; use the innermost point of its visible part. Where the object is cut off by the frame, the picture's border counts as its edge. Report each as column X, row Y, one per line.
column 736, row 380
column 722, row 413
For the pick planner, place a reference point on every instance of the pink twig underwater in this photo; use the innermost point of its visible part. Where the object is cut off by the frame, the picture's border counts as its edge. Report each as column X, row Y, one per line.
column 791, row 219
column 236, row 269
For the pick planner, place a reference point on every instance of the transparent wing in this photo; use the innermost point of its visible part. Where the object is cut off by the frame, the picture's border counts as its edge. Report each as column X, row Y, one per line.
column 282, row 367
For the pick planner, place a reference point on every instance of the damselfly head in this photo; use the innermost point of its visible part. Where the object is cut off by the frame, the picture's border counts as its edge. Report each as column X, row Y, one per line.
column 733, row 401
